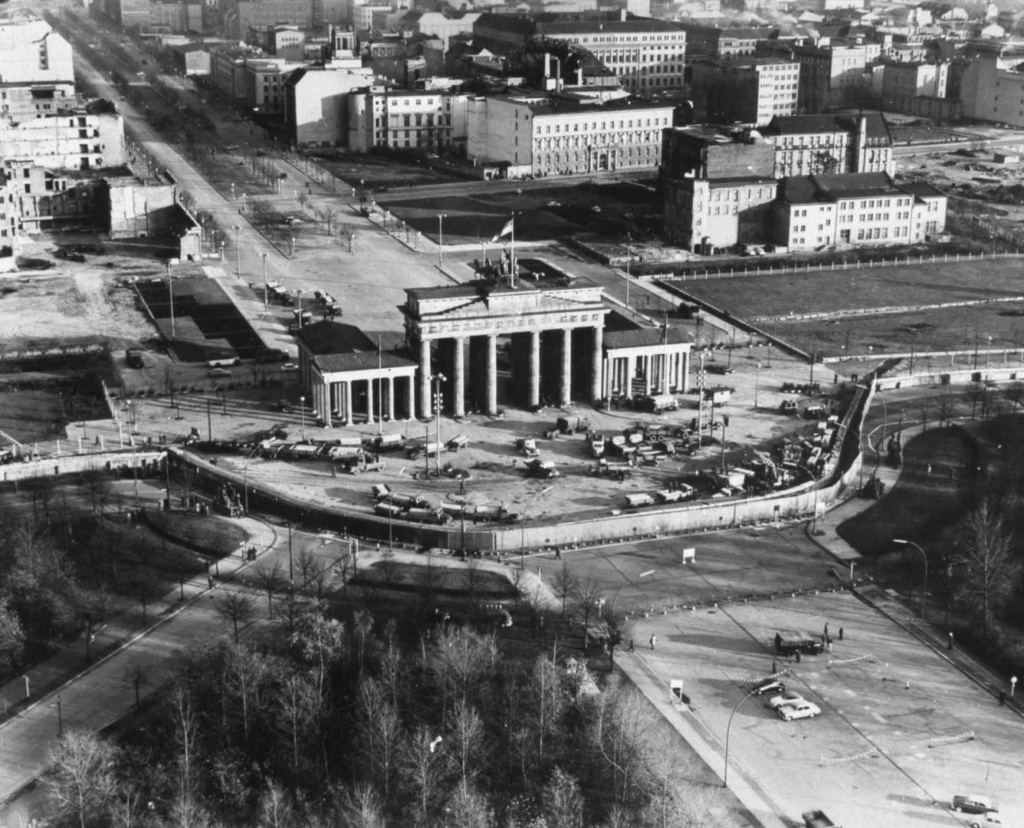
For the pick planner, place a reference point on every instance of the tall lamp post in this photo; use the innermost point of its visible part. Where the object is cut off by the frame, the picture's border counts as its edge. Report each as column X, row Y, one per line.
column 440, row 238
column 629, row 260
column 265, row 306
column 924, row 558
column 757, row 383
column 170, row 292
column 302, row 416
column 238, row 254
column 437, row 379
column 728, row 730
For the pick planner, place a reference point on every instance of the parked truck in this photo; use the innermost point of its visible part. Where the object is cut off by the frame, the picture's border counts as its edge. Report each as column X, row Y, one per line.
column 817, row 819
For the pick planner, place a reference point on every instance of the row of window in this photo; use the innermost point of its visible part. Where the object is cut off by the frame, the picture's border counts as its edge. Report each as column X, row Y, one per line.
column 621, row 124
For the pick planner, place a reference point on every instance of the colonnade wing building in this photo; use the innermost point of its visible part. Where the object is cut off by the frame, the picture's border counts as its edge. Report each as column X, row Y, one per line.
column 545, row 332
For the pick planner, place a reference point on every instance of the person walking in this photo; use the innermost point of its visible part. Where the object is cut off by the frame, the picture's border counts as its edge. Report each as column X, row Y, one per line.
column 654, row 640
column 840, row 633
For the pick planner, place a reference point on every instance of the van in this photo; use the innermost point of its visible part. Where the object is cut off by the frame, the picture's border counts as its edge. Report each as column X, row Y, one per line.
column 388, row 442
column 457, row 443
column 420, row 449
column 222, row 363
column 637, row 500
column 661, row 402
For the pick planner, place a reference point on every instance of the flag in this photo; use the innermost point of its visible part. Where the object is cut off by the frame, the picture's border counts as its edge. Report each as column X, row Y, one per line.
column 504, row 230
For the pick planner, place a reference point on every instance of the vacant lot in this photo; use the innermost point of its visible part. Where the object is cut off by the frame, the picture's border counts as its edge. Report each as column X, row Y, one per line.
column 770, row 302
column 610, row 210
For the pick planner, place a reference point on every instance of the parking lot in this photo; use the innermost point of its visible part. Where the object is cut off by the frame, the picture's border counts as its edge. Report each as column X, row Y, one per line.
column 901, row 732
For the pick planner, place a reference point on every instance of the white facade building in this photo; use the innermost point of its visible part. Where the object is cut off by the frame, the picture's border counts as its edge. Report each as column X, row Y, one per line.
column 429, row 121
column 542, row 134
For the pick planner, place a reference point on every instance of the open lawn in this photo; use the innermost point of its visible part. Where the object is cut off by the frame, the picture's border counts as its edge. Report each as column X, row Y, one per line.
column 909, row 302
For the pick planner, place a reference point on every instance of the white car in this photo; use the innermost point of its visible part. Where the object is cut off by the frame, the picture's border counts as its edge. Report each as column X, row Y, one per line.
column 289, row 366
column 789, row 697
column 799, row 710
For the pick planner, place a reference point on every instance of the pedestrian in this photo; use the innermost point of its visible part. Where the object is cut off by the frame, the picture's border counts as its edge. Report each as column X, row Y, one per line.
column 829, row 645
column 826, row 629
column 778, row 642
column 775, row 667
column 797, row 656
column 840, row 633
column 631, row 646
column 654, row 640
column 1002, row 698
column 949, row 644
column 209, row 581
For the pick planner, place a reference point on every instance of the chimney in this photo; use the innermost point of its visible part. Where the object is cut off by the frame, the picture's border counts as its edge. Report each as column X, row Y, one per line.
column 547, row 66
column 579, row 76
column 622, row 15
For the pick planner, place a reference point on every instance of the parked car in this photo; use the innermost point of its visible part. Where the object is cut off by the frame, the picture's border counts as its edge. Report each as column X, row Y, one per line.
column 789, row 697
column 769, row 685
column 989, row 820
column 289, row 366
column 799, row 710
column 973, row 804
column 218, row 372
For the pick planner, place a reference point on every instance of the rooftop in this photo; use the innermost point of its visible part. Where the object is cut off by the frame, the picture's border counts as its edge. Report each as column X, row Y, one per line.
column 808, row 189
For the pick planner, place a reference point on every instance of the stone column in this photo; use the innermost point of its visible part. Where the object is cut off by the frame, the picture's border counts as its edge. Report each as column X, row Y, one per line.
column 533, row 367
column 684, row 381
column 348, row 402
column 566, row 386
column 459, row 369
column 370, row 407
column 648, row 363
column 492, row 374
column 425, row 405
column 597, row 365
column 325, row 404
column 391, row 399
column 627, row 390
column 410, row 398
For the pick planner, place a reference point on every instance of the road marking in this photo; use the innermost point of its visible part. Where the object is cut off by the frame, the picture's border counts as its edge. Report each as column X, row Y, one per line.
column 849, row 692
column 878, row 717
column 648, row 572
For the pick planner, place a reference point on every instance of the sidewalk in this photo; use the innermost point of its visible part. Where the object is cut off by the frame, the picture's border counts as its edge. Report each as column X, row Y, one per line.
column 746, row 790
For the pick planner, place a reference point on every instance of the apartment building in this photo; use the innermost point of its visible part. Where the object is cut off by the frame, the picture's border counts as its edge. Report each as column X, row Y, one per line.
column 707, row 216
column 317, row 103
column 538, row 134
column 428, row 121
column 728, row 43
column 645, row 55
column 830, row 144
column 263, row 83
column 914, row 79
column 748, row 90
column 832, row 75
column 87, row 137
column 990, row 91
column 862, row 208
column 242, row 15
column 36, row 72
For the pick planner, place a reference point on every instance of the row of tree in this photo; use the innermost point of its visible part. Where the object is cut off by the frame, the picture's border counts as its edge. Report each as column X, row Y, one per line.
column 356, row 723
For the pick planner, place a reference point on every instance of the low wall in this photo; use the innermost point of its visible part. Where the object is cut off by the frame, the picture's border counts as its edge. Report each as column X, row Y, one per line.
column 77, row 463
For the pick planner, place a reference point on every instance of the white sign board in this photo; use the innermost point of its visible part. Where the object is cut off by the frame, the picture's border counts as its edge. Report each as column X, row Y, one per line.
column 677, row 689
column 689, row 555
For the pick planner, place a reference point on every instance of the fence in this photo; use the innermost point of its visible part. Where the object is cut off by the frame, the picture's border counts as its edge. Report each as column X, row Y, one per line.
column 772, row 270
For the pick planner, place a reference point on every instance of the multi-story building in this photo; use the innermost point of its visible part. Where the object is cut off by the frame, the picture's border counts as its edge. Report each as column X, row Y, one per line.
column 912, row 80
column 716, row 187
column 370, row 17
column 262, row 83
column 380, row 117
column 646, row 55
column 88, row 137
column 36, row 72
column 175, row 16
column 317, row 102
column 723, row 44
column 440, row 25
column 242, row 15
column 706, row 216
column 868, row 208
column 991, row 91
column 831, row 75
column 750, row 90
column 830, row 144
column 542, row 134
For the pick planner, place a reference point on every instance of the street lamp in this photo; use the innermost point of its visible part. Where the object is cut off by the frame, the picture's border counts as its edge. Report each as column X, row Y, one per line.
column 60, row 718
column 170, row 292
column 291, row 247
column 440, row 238
column 238, row 255
column 629, row 259
column 924, row 558
column 757, row 383
column 437, row 379
column 728, row 730
column 265, row 308
column 302, row 416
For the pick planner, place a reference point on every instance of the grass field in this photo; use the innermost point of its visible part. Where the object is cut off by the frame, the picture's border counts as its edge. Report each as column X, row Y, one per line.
column 768, row 301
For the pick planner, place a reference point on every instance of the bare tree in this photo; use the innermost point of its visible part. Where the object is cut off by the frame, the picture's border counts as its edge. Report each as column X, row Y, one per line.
column 563, row 801
column 270, row 578
column 586, row 596
column 275, row 807
column 379, row 735
column 423, row 762
column 186, row 733
column 990, row 572
column 1014, row 393
column 299, row 703
column 389, row 569
column 564, row 584
column 615, row 629
column 237, row 608
column 945, row 407
column 82, row 783
column 465, row 733
column 975, row 393
column 136, row 674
